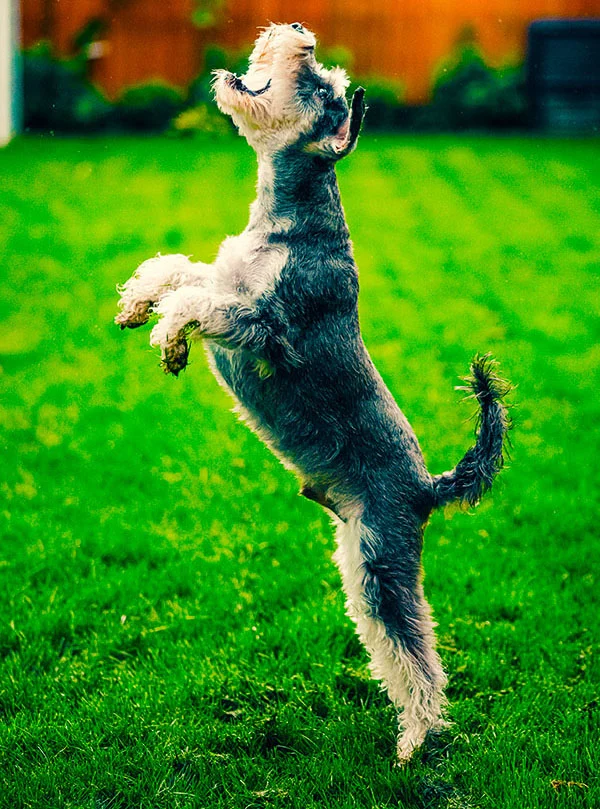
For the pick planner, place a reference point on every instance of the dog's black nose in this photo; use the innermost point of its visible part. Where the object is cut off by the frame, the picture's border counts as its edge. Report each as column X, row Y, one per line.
column 297, row 27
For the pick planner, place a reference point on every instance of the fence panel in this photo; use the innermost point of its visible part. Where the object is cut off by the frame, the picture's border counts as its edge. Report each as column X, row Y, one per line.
column 407, row 41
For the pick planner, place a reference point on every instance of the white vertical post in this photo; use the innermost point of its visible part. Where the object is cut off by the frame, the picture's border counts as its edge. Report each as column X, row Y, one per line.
column 10, row 85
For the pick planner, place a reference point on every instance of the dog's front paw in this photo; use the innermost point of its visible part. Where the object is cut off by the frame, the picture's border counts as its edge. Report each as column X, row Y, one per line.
column 409, row 741
column 170, row 334
column 152, row 280
column 134, row 304
column 174, row 355
column 133, row 314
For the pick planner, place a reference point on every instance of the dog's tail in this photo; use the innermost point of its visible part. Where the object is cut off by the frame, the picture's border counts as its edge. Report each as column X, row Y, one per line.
column 475, row 473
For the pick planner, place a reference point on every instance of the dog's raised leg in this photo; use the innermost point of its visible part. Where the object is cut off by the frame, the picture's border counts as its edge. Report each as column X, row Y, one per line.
column 152, row 279
column 236, row 322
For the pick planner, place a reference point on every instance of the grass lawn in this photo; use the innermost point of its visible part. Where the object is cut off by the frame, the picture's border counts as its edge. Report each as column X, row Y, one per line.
column 172, row 629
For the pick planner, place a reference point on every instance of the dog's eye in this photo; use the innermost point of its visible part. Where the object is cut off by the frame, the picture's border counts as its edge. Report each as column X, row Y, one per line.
column 297, row 27
column 321, row 92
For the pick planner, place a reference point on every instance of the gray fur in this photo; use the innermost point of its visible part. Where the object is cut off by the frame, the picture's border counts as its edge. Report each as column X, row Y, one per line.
column 293, row 357
column 326, row 408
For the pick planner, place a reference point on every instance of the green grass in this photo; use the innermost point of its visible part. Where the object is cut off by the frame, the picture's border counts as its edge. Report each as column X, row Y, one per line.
column 172, row 630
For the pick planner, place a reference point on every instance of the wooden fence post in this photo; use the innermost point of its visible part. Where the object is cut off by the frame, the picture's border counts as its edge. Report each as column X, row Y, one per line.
column 10, row 73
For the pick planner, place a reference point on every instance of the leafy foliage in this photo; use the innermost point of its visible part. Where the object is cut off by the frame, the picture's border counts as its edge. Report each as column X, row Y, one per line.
column 201, row 113
column 58, row 96
column 469, row 94
column 386, row 111
column 206, row 12
column 148, row 107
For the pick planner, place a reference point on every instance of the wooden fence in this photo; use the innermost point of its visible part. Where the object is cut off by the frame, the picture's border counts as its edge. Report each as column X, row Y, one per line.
column 402, row 39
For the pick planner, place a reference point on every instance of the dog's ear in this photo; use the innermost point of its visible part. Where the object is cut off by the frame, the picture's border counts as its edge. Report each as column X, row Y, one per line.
column 344, row 141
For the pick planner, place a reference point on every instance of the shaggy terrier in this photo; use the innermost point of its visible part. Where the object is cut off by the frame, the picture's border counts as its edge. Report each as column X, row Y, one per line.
column 278, row 313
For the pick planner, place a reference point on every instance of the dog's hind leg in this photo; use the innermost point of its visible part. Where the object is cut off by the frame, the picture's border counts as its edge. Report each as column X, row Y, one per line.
column 153, row 279
column 382, row 581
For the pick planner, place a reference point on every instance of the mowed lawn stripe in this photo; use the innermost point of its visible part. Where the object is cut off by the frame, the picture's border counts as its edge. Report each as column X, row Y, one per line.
column 172, row 629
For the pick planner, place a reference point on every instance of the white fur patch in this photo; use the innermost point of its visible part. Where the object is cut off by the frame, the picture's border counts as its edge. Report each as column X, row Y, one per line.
column 398, row 672
column 247, row 266
column 337, row 77
column 156, row 276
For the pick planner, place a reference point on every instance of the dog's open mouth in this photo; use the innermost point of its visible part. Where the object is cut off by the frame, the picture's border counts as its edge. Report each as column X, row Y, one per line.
column 239, row 85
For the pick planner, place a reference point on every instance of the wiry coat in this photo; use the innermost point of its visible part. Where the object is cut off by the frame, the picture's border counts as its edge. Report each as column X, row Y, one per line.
column 278, row 311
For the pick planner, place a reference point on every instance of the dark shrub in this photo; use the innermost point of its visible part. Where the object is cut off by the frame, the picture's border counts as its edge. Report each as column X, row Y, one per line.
column 148, row 107
column 469, row 94
column 57, row 95
column 384, row 102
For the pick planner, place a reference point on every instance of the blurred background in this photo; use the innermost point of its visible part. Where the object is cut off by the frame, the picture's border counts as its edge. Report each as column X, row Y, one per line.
column 102, row 65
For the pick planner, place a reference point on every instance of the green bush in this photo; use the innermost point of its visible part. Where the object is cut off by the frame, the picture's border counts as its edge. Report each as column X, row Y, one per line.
column 336, row 56
column 200, row 113
column 202, row 117
column 57, row 95
column 386, row 111
column 148, row 107
column 469, row 94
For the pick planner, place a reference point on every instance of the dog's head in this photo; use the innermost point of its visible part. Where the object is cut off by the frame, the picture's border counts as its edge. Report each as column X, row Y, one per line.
column 286, row 97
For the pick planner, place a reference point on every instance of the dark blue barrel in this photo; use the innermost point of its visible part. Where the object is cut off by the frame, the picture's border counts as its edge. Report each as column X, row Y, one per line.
column 563, row 75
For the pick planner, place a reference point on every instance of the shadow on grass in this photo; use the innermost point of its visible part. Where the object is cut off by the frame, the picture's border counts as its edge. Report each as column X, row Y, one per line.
column 421, row 785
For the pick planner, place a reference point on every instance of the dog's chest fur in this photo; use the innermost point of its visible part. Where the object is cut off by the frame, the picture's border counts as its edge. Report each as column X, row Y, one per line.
column 248, row 266
column 319, row 300
column 331, row 416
